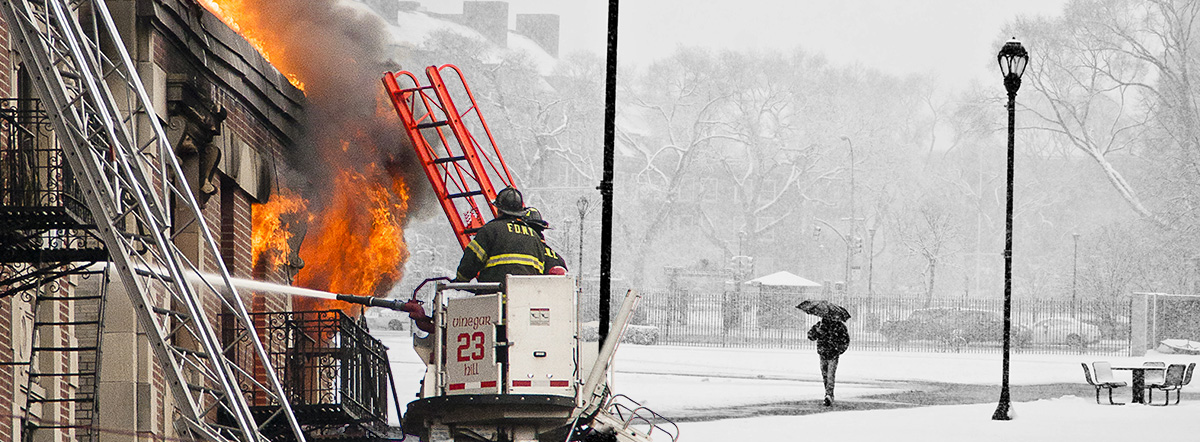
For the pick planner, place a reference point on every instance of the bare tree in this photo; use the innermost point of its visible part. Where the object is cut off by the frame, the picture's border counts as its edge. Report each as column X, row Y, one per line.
column 1109, row 74
column 672, row 123
column 930, row 232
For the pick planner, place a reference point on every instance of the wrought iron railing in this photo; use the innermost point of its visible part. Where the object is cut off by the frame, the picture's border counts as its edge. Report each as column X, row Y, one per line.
column 46, row 230
column 33, row 171
column 761, row 318
column 332, row 370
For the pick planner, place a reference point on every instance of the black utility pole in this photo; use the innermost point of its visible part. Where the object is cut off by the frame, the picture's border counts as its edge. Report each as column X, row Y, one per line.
column 1012, row 60
column 606, row 183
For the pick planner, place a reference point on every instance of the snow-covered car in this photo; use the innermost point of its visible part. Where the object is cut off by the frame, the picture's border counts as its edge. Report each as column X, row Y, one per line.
column 1112, row 326
column 1068, row 331
column 955, row 326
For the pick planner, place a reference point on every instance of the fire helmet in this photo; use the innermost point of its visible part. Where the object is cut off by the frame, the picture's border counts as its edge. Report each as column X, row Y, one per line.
column 533, row 217
column 510, row 202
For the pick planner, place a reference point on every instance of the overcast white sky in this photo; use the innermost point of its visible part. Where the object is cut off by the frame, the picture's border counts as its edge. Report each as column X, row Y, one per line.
column 956, row 39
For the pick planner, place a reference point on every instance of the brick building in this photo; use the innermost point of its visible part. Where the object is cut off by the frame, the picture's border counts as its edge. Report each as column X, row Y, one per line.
column 231, row 117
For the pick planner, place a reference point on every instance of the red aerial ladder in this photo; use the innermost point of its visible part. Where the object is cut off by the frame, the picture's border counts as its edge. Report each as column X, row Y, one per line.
column 455, row 146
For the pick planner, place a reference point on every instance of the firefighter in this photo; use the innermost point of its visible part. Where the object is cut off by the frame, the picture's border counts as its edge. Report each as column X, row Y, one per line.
column 504, row 246
column 555, row 265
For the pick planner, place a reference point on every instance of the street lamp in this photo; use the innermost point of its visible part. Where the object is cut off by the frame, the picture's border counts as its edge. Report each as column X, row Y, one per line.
column 870, row 262
column 1074, row 273
column 583, row 205
column 853, row 220
column 1012, row 60
column 849, row 247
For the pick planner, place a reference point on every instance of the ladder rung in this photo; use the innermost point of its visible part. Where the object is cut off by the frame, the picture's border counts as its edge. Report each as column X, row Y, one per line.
column 163, row 311
column 206, row 390
column 418, row 88
column 432, row 124
column 465, row 194
column 62, row 399
column 54, row 323
column 78, row 373
column 68, row 298
column 64, row 348
column 199, row 354
column 448, row 159
column 61, row 426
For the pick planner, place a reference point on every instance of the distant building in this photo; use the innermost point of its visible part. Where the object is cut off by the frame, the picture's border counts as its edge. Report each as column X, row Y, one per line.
column 489, row 18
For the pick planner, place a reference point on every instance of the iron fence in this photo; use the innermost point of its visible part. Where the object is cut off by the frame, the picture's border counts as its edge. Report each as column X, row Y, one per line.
column 1173, row 317
column 770, row 319
column 333, row 371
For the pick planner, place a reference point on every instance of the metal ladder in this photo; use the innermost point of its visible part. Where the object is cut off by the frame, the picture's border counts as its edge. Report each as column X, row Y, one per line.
column 118, row 151
column 461, row 167
column 78, row 333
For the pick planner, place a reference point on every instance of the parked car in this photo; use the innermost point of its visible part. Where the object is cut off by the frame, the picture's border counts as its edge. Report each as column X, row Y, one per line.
column 957, row 326
column 1111, row 326
column 1065, row 331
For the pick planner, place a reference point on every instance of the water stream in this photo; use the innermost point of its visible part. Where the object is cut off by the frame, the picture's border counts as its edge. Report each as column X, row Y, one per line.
column 245, row 284
column 263, row 286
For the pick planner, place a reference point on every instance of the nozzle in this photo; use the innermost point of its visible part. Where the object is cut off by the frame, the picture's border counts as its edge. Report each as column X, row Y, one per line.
column 372, row 301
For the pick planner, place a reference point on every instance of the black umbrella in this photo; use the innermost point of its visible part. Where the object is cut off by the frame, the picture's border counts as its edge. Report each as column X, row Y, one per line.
column 824, row 309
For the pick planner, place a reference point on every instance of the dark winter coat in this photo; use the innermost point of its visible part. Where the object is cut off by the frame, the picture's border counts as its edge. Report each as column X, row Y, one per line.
column 552, row 259
column 504, row 246
column 831, row 336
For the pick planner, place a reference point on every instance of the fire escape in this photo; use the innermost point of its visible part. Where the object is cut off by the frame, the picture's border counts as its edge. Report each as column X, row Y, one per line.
column 46, row 230
column 84, row 187
column 46, row 235
column 137, row 198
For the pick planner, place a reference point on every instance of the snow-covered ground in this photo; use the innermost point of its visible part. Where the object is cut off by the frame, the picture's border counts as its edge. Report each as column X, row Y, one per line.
column 687, row 381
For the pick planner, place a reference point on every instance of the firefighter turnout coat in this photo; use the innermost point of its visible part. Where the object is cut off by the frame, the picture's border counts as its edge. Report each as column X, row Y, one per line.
column 504, row 246
column 551, row 258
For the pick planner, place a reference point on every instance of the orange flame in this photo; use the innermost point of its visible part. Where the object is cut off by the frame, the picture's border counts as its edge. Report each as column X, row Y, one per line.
column 357, row 244
column 355, row 240
column 270, row 231
column 242, row 19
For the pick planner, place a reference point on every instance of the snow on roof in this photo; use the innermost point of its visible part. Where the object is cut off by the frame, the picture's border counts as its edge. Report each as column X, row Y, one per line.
column 542, row 59
column 783, row 278
column 415, row 27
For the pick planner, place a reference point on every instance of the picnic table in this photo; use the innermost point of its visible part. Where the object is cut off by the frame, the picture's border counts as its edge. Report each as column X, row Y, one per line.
column 1138, row 386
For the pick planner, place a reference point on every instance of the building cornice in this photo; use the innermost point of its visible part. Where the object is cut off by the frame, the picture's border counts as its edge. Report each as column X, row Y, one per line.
column 230, row 61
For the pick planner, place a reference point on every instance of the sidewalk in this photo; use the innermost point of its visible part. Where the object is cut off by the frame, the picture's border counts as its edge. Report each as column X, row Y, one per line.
column 772, row 395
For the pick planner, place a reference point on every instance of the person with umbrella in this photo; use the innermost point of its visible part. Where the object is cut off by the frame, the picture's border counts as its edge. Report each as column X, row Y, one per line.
column 832, row 338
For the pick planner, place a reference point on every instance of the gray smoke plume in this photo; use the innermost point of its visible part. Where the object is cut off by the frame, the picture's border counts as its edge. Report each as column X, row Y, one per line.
column 339, row 52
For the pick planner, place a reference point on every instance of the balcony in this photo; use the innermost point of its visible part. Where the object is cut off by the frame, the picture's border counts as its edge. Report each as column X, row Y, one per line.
column 44, row 223
column 334, row 373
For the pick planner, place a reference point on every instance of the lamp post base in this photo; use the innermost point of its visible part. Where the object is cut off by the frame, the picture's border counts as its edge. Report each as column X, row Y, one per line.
column 1003, row 412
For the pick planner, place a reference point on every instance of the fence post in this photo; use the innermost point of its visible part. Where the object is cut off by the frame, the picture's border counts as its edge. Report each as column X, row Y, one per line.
column 1138, row 321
